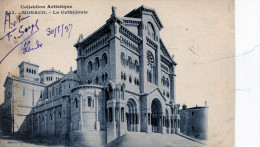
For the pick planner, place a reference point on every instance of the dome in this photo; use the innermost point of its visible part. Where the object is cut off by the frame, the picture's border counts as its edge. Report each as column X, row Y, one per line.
column 70, row 76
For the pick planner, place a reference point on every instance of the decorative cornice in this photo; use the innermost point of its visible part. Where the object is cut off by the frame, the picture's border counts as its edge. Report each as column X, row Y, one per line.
column 166, row 53
column 123, row 30
column 136, row 12
column 25, row 81
column 127, row 43
column 87, row 86
column 100, row 32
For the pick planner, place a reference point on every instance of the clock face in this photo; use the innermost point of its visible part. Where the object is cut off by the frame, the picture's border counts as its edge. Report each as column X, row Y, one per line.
column 150, row 58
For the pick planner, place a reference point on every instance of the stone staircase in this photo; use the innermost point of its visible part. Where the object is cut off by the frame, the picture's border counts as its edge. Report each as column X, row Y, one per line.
column 136, row 139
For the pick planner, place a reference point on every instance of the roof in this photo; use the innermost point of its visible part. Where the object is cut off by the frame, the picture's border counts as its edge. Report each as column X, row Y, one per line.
column 28, row 63
column 51, row 70
column 136, row 12
column 20, row 79
column 70, row 76
column 196, row 108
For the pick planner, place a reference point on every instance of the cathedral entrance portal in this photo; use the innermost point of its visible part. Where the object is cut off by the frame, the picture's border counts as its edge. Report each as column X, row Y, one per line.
column 132, row 116
column 157, row 116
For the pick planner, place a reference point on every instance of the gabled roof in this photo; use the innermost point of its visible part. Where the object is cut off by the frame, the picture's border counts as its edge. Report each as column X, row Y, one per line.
column 136, row 12
column 20, row 79
column 157, row 89
column 165, row 52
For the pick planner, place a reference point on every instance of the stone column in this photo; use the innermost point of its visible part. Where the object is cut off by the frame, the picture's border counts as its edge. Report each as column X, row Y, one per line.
column 97, row 124
column 53, row 119
column 38, row 122
column 80, row 108
column 45, row 122
column 32, row 124
column 172, row 100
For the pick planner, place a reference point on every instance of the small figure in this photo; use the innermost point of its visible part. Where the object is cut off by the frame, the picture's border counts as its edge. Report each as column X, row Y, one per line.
column 113, row 10
column 80, row 38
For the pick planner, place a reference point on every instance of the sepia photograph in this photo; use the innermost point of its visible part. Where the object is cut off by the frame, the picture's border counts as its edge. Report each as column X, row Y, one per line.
column 117, row 73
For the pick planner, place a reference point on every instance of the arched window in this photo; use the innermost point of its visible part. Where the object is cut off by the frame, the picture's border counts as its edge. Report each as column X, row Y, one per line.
column 50, row 117
column 27, row 70
column 130, row 79
column 122, row 58
column 151, row 32
column 167, row 82
column 122, row 76
column 149, row 76
column 106, row 76
column 167, row 94
column 76, row 103
column 59, row 115
column 136, row 66
column 97, row 62
column 163, row 80
column 89, row 101
column 96, row 80
column 103, row 77
column 104, row 59
column 129, row 63
column 122, row 92
column 90, row 66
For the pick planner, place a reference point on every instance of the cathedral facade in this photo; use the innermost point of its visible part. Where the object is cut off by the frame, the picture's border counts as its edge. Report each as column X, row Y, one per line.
column 124, row 81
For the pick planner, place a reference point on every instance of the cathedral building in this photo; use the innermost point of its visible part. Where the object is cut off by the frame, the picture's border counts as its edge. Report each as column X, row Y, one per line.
column 124, row 82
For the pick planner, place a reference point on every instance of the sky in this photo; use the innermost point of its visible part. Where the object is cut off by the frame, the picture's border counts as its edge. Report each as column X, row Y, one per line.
column 200, row 35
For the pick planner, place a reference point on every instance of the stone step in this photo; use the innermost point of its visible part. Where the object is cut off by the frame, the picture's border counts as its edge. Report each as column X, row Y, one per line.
column 153, row 139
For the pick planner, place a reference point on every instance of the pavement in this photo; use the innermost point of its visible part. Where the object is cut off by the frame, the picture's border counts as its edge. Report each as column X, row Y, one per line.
column 140, row 139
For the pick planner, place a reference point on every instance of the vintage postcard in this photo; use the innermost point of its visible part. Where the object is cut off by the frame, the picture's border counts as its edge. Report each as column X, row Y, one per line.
column 117, row 73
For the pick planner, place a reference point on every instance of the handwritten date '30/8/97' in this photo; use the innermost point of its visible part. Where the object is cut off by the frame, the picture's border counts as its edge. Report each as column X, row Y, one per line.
column 59, row 30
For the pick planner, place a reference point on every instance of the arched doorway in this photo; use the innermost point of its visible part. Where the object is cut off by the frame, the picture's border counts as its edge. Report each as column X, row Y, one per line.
column 157, row 115
column 131, row 115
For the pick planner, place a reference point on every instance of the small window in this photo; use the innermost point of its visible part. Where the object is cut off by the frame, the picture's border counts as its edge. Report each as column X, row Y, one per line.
column 59, row 115
column 89, row 101
column 193, row 128
column 97, row 63
column 76, row 103
column 103, row 78
column 122, row 58
column 192, row 113
column 122, row 75
column 90, row 67
column 106, row 76
column 130, row 79
column 96, row 80
column 104, row 59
